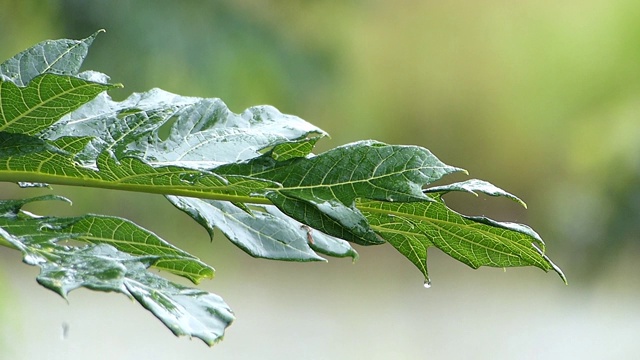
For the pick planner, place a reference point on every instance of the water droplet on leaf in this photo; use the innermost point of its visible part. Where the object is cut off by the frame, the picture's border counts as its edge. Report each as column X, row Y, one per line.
column 187, row 177
column 32, row 259
column 44, row 227
column 427, row 283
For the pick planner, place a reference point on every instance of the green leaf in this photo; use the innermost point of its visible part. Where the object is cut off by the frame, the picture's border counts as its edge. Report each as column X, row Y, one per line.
column 62, row 57
column 120, row 233
column 263, row 232
column 46, row 98
column 101, row 266
column 26, row 158
column 473, row 186
column 393, row 222
column 320, row 191
column 317, row 240
column 329, row 216
column 260, row 234
column 127, row 237
column 203, row 133
column 476, row 241
column 366, row 169
column 185, row 311
column 41, row 84
column 251, row 175
column 293, row 149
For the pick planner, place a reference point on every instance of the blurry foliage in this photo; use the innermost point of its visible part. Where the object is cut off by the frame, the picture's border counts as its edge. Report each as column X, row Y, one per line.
column 547, row 89
column 212, row 48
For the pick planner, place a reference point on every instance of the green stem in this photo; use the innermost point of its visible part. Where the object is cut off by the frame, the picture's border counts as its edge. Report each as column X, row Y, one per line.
column 202, row 193
column 5, row 243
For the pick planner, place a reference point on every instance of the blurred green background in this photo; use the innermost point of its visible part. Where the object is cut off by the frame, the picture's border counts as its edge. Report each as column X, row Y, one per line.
column 539, row 97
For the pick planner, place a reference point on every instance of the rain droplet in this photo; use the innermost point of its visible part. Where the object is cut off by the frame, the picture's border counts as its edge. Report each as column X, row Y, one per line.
column 188, row 178
column 65, row 330
column 427, row 283
column 32, row 259
column 45, row 226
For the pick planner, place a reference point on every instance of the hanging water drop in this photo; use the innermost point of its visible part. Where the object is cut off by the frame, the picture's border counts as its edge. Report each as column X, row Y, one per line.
column 427, row 283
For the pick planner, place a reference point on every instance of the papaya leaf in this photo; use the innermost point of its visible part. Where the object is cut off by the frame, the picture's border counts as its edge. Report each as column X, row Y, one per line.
column 260, row 234
column 132, row 239
column 120, row 233
column 62, row 57
column 293, row 149
column 184, row 310
column 317, row 240
column 34, row 160
column 102, row 266
column 476, row 241
column 265, row 232
column 252, row 175
column 320, row 191
column 202, row 133
column 41, row 84
column 473, row 186
column 31, row 109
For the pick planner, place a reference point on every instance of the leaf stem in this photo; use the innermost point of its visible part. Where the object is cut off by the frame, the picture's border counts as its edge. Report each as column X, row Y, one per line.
column 5, row 243
column 202, row 193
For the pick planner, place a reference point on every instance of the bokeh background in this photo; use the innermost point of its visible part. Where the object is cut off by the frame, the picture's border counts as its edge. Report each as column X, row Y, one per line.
column 539, row 97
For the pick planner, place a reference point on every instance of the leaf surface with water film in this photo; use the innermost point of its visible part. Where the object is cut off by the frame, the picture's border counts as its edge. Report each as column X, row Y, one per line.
column 252, row 175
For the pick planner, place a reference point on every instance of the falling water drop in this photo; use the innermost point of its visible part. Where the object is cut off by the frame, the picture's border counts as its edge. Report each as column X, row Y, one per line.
column 427, row 283
column 65, row 330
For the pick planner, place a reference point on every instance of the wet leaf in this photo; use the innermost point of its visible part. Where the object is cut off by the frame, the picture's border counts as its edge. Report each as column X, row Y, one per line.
column 116, row 259
column 202, row 133
column 474, row 186
column 258, row 233
column 320, row 191
column 120, row 233
column 252, row 175
column 476, row 241
column 62, row 57
column 33, row 108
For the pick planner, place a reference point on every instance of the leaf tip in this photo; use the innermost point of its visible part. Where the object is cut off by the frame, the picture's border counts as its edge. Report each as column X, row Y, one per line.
column 552, row 265
column 558, row 271
column 95, row 34
column 90, row 38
